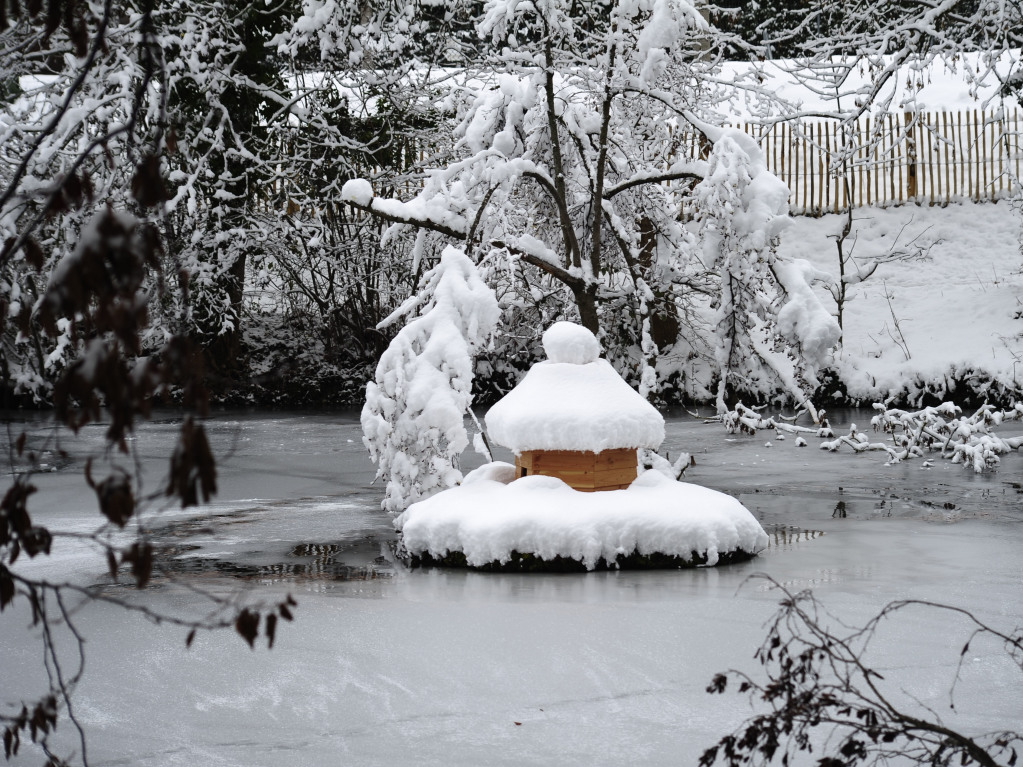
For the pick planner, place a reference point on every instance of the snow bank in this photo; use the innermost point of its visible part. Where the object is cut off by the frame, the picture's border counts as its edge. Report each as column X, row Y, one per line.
column 957, row 303
column 574, row 401
column 487, row 519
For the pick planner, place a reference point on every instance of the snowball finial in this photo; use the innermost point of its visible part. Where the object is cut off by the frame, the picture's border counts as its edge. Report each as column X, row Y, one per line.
column 568, row 342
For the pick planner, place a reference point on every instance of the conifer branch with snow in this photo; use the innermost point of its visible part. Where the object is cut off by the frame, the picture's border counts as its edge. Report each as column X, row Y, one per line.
column 413, row 416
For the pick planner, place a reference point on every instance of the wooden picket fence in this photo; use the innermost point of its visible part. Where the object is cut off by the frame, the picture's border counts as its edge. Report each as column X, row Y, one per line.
column 923, row 157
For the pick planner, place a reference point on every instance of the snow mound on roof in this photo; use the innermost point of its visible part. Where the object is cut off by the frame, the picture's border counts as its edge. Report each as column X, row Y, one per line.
column 574, row 401
column 488, row 517
column 571, row 343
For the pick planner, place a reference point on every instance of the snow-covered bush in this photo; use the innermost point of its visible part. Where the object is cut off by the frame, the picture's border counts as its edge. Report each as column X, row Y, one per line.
column 412, row 419
column 968, row 440
column 770, row 331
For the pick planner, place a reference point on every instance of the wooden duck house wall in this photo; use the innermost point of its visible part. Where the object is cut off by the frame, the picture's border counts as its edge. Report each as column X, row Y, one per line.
column 586, row 471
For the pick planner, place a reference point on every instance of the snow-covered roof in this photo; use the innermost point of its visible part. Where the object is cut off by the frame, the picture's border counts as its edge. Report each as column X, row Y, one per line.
column 574, row 401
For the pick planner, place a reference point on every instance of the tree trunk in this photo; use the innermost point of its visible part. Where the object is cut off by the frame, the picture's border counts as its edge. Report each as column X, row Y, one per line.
column 586, row 301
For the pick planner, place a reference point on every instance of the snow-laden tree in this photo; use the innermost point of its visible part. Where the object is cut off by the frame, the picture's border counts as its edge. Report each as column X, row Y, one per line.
column 769, row 327
column 864, row 49
column 171, row 114
column 554, row 153
column 576, row 158
column 415, row 407
column 194, row 112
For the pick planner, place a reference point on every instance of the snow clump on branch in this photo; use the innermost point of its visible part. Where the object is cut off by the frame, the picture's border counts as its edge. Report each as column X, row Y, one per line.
column 412, row 419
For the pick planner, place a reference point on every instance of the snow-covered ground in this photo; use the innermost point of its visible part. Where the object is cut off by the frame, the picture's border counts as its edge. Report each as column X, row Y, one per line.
column 969, row 82
column 954, row 309
column 384, row 666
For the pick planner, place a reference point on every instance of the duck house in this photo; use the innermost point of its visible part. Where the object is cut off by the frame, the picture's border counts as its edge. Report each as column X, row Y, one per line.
column 573, row 417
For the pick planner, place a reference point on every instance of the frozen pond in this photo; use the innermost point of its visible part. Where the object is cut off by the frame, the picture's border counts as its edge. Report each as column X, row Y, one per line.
column 430, row 667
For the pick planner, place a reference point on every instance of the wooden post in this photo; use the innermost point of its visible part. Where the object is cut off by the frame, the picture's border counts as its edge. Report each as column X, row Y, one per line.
column 820, row 168
column 930, row 158
column 846, row 180
column 911, row 156
column 896, row 155
column 806, row 142
column 1003, row 148
column 772, row 132
column 1016, row 134
column 789, row 167
column 861, row 157
column 982, row 157
column 957, row 135
column 967, row 155
column 945, row 142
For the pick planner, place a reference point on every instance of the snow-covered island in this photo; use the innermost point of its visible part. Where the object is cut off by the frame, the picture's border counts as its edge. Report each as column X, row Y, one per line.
column 576, row 498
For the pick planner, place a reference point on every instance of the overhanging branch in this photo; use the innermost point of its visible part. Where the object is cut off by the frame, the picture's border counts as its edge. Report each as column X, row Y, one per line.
column 423, row 223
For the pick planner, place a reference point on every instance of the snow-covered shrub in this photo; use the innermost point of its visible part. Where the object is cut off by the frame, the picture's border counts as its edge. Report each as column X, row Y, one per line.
column 412, row 419
column 770, row 330
column 968, row 440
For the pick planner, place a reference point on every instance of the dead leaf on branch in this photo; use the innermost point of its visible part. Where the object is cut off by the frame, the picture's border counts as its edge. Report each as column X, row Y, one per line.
column 116, row 499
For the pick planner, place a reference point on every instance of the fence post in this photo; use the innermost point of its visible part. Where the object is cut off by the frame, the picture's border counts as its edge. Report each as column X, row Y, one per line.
column 911, row 157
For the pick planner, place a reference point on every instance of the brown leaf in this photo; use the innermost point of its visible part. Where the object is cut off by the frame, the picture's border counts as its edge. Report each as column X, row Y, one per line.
column 140, row 556
column 34, row 254
column 247, row 624
column 270, row 630
column 79, row 37
column 116, row 499
column 193, row 470
column 147, row 185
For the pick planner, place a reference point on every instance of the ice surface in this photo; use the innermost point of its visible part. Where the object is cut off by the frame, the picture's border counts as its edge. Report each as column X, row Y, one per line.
column 435, row 667
column 487, row 518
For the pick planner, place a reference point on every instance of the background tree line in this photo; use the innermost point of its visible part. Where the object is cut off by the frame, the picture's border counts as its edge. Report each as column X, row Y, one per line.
column 232, row 127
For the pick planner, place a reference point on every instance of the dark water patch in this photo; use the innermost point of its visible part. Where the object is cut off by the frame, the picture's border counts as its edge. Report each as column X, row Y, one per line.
column 208, row 524
column 530, row 563
column 311, row 561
